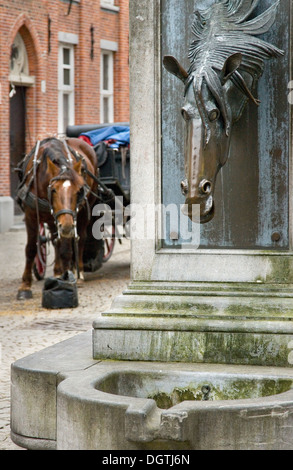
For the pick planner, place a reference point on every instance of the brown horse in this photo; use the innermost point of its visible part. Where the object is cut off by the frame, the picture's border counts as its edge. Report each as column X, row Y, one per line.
column 57, row 188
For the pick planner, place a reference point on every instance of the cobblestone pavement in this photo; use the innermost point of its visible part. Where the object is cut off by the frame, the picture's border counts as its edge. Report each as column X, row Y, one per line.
column 25, row 327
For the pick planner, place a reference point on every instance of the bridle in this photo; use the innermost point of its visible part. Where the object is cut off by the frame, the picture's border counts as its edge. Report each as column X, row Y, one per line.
column 81, row 201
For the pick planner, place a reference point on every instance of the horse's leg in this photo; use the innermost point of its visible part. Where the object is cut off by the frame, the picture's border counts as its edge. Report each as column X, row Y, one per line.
column 57, row 261
column 24, row 291
column 65, row 253
column 55, row 242
column 81, row 243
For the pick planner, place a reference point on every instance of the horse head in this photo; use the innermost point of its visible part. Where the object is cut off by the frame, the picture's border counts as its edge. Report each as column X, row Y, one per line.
column 66, row 192
column 227, row 59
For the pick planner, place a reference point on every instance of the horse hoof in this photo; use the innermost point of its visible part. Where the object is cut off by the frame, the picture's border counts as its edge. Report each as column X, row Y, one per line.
column 24, row 295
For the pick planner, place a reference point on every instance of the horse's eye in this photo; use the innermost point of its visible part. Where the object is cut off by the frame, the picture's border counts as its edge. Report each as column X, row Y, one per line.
column 185, row 114
column 214, row 114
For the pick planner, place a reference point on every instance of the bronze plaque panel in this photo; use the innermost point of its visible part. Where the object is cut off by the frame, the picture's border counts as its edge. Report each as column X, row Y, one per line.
column 252, row 189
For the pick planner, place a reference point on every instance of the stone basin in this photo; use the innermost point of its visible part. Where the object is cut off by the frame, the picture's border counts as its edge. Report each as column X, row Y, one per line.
column 168, row 388
column 178, row 406
column 63, row 399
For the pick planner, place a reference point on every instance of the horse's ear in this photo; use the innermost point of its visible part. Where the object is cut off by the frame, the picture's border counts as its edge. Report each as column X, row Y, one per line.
column 230, row 66
column 172, row 65
column 77, row 167
column 52, row 168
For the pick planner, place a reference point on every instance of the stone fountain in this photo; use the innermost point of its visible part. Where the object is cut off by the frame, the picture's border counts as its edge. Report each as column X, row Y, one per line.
column 197, row 352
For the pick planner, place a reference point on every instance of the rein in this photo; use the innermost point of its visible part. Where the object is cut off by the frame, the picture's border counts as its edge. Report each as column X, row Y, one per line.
column 25, row 196
column 80, row 200
column 35, row 167
column 57, row 214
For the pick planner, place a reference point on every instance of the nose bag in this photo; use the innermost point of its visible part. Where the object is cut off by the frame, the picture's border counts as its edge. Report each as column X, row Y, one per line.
column 60, row 292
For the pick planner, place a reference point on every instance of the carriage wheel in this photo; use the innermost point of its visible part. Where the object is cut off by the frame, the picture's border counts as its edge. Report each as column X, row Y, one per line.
column 39, row 266
column 109, row 243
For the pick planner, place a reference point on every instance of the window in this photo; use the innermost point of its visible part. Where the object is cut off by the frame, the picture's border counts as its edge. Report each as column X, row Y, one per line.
column 107, row 98
column 65, row 87
column 107, row 3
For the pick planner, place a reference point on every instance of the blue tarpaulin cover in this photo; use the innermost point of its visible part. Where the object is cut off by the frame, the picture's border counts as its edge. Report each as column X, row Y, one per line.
column 117, row 135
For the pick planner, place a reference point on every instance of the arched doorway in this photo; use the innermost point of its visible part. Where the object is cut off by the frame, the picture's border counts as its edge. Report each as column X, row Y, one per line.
column 20, row 79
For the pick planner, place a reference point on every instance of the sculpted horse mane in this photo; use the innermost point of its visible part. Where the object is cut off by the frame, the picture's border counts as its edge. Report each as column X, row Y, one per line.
column 223, row 31
column 227, row 59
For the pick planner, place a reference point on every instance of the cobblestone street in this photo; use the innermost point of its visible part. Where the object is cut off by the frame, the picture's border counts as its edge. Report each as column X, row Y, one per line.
column 25, row 327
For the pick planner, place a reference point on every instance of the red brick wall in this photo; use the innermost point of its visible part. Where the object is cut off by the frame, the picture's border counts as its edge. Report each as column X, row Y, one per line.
column 30, row 19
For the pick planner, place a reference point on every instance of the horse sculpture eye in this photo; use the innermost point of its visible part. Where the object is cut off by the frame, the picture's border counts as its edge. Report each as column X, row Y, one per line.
column 214, row 114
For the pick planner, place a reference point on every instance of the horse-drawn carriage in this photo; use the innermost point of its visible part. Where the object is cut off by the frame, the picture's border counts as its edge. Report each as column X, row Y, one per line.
column 61, row 183
column 111, row 145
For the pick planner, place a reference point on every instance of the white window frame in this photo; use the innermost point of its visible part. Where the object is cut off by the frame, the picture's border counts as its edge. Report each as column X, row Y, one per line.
column 108, row 93
column 109, row 5
column 65, row 89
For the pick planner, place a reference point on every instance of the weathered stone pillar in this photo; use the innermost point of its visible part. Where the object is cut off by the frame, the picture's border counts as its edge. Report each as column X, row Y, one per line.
column 230, row 300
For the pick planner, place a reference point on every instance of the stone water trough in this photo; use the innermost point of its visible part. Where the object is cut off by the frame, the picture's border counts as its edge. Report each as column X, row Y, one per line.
column 63, row 399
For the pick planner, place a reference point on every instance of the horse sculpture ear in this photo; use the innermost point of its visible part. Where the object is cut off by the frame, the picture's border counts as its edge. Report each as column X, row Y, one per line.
column 172, row 65
column 52, row 168
column 230, row 66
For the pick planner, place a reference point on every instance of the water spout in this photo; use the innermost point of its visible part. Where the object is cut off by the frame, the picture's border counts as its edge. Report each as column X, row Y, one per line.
column 206, row 390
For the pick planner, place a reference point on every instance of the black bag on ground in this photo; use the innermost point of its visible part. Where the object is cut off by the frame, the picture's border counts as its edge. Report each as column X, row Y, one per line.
column 60, row 292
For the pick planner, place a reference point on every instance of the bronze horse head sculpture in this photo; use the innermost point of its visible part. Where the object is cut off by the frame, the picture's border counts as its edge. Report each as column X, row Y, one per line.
column 227, row 60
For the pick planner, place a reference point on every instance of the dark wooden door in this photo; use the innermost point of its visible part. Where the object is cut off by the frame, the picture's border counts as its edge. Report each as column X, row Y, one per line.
column 17, row 137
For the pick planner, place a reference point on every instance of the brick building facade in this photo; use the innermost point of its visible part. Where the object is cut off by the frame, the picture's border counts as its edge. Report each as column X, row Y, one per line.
column 61, row 62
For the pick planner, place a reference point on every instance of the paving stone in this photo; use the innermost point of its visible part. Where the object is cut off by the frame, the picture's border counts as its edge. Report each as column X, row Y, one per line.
column 25, row 327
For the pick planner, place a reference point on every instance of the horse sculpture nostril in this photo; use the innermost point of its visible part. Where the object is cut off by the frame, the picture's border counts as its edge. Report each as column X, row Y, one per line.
column 205, row 187
column 184, row 187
